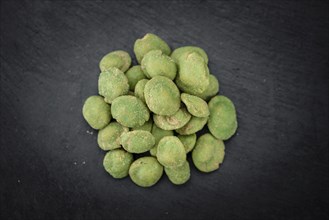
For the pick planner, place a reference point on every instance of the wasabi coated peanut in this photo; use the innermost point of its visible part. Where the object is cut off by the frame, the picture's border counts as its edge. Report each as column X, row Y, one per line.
column 145, row 171
column 155, row 63
column 112, row 83
column 175, row 121
column 134, row 75
column 158, row 134
column 130, row 111
column 137, row 141
column 117, row 162
column 119, row 59
column 177, row 53
column 194, row 125
column 109, row 137
column 147, row 43
column 139, row 89
column 178, row 175
column 211, row 90
column 208, row 153
column 188, row 141
column 171, row 152
column 147, row 126
column 193, row 74
column 195, row 105
column 96, row 112
column 162, row 96
column 222, row 122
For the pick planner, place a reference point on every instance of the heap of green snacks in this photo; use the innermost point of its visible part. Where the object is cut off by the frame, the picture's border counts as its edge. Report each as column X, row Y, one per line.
column 148, row 114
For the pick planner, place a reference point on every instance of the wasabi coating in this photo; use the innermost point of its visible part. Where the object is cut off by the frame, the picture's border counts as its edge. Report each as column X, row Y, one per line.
column 117, row 162
column 147, row 43
column 112, row 83
column 177, row 53
column 193, row 74
column 139, row 89
column 211, row 90
column 130, row 111
column 137, row 141
column 109, row 137
column 145, row 171
column 194, row 125
column 171, row 152
column 96, row 112
column 222, row 122
column 188, row 141
column 208, row 153
column 134, row 75
column 158, row 134
column 195, row 105
column 175, row 121
column 119, row 59
column 178, row 175
column 162, row 96
column 147, row 126
column 155, row 63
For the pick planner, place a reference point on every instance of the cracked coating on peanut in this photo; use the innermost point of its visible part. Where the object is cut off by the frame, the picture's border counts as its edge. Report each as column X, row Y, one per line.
column 178, row 120
column 195, row 105
column 194, row 125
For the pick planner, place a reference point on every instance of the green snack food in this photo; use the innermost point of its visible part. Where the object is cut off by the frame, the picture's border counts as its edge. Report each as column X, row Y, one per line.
column 222, row 122
column 195, row 105
column 155, row 63
column 162, row 96
column 139, row 89
column 130, row 111
column 147, row 43
column 158, row 134
column 193, row 74
column 178, row 175
column 158, row 107
column 147, row 126
column 119, row 59
column 137, row 141
column 109, row 137
column 171, row 152
column 208, row 153
column 112, row 83
column 175, row 121
column 96, row 112
column 194, row 125
column 188, row 141
column 117, row 162
column 145, row 171
column 134, row 75
column 177, row 53
column 211, row 90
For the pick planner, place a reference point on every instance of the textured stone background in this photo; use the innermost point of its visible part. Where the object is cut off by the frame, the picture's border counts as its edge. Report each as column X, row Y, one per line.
column 271, row 58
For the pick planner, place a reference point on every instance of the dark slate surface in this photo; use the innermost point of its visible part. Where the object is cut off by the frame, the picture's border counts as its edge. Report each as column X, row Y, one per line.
column 271, row 58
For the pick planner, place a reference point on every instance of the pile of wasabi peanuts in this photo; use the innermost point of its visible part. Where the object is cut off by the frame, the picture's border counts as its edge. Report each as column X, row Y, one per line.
column 153, row 110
